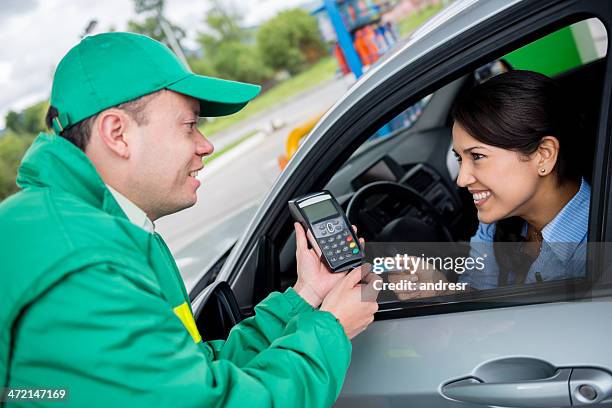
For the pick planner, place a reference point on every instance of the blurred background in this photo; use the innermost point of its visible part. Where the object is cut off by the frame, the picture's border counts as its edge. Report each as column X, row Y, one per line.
column 305, row 53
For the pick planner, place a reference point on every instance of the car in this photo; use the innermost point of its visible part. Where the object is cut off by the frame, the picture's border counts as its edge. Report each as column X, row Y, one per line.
column 530, row 345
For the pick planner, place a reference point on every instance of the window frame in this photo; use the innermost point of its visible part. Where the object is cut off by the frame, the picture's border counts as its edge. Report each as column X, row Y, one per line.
column 465, row 53
column 600, row 212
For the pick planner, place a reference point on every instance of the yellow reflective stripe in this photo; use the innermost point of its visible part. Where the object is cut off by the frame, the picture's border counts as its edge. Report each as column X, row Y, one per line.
column 184, row 313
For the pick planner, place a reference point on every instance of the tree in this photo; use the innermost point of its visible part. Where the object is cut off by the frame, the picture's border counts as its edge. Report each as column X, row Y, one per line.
column 226, row 53
column 223, row 24
column 240, row 62
column 21, row 128
column 202, row 66
column 150, row 27
column 153, row 11
column 29, row 121
column 34, row 118
column 12, row 121
column 290, row 41
column 12, row 148
column 145, row 6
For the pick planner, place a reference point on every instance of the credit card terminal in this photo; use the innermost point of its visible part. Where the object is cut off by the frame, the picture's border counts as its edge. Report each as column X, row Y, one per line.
column 328, row 230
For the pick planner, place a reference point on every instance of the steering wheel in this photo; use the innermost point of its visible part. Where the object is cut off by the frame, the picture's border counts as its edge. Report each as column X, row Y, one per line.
column 426, row 226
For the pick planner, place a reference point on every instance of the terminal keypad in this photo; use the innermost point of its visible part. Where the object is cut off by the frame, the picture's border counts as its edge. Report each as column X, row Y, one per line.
column 335, row 240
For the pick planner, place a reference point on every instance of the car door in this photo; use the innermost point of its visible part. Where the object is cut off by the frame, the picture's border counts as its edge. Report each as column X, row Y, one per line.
column 542, row 346
column 528, row 347
column 498, row 352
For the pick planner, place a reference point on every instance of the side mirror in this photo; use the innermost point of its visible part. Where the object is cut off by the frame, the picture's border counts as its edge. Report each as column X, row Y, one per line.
column 216, row 311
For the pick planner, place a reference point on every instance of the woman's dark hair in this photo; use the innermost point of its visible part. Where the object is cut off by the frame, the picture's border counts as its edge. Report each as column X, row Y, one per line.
column 514, row 111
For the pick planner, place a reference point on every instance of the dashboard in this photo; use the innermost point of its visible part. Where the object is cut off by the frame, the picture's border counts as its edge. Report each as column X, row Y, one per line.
column 421, row 177
column 415, row 159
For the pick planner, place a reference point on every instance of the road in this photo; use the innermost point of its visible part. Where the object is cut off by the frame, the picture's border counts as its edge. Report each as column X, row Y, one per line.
column 242, row 176
column 294, row 111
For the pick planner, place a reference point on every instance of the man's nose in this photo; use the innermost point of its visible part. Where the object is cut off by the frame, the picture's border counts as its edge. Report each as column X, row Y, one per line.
column 465, row 177
column 204, row 147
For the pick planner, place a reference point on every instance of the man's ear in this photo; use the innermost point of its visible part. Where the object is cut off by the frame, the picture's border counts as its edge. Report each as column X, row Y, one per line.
column 547, row 155
column 112, row 125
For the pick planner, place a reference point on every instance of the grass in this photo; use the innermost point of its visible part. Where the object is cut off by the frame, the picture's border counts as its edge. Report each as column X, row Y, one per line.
column 317, row 73
column 229, row 146
column 410, row 23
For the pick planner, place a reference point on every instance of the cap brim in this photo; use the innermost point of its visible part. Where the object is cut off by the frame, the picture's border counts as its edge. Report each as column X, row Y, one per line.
column 218, row 97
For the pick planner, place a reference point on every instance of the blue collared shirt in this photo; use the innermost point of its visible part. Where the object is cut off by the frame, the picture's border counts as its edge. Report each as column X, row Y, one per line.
column 562, row 254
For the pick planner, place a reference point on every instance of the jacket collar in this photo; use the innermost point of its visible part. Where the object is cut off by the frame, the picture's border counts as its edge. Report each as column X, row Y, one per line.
column 132, row 211
column 54, row 162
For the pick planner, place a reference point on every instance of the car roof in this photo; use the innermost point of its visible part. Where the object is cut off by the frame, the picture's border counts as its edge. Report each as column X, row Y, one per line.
column 444, row 17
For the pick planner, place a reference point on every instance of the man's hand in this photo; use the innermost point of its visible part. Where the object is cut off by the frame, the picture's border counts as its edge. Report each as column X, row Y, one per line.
column 352, row 303
column 314, row 280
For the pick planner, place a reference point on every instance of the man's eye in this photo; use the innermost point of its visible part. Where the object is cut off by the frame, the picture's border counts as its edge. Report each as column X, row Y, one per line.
column 191, row 125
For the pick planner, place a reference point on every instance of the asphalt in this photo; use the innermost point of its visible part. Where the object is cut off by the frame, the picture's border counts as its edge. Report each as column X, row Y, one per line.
column 241, row 177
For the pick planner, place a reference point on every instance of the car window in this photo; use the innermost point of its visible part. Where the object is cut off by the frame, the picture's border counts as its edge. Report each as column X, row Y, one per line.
column 424, row 235
column 397, row 126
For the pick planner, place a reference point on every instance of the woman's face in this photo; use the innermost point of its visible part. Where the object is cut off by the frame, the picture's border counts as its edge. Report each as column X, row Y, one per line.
column 502, row 182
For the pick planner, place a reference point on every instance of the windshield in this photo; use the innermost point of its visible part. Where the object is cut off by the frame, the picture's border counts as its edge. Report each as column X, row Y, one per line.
column 396, row 126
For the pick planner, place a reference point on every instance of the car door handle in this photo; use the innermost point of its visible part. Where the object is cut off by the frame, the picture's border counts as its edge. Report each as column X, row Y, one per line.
column 546, row 393
column 527, row 382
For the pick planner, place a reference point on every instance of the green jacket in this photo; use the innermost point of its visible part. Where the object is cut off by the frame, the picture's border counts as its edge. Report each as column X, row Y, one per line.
column 94, row 304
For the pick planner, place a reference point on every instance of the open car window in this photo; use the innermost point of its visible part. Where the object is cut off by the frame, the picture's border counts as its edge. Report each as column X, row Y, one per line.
column 433, row 231
column 440, row 219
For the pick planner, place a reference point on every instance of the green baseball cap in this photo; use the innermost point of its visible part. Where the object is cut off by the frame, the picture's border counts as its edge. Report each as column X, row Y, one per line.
column 108, row 69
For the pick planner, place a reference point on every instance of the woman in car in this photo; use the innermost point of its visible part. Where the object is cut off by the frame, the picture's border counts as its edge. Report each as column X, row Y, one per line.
column 517, row 142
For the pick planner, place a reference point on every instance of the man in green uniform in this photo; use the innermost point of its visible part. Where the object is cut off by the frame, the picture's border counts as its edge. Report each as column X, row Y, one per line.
column 90, row 298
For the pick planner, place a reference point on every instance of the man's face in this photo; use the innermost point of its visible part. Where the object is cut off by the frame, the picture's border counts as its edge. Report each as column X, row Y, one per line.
column 166, row 153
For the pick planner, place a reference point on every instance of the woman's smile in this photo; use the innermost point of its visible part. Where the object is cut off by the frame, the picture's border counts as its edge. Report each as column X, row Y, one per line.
column 480, row 196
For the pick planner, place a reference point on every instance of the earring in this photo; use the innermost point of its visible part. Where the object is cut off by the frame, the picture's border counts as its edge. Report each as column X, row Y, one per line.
column 542, row 170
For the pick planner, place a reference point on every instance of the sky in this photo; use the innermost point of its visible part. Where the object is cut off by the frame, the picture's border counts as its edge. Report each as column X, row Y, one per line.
column 35, row 34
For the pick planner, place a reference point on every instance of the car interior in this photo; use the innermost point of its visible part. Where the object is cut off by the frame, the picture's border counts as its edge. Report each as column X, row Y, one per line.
column 400, row 187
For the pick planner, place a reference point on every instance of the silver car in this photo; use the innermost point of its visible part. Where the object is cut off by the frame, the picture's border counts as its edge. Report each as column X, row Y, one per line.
column 531, row 345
